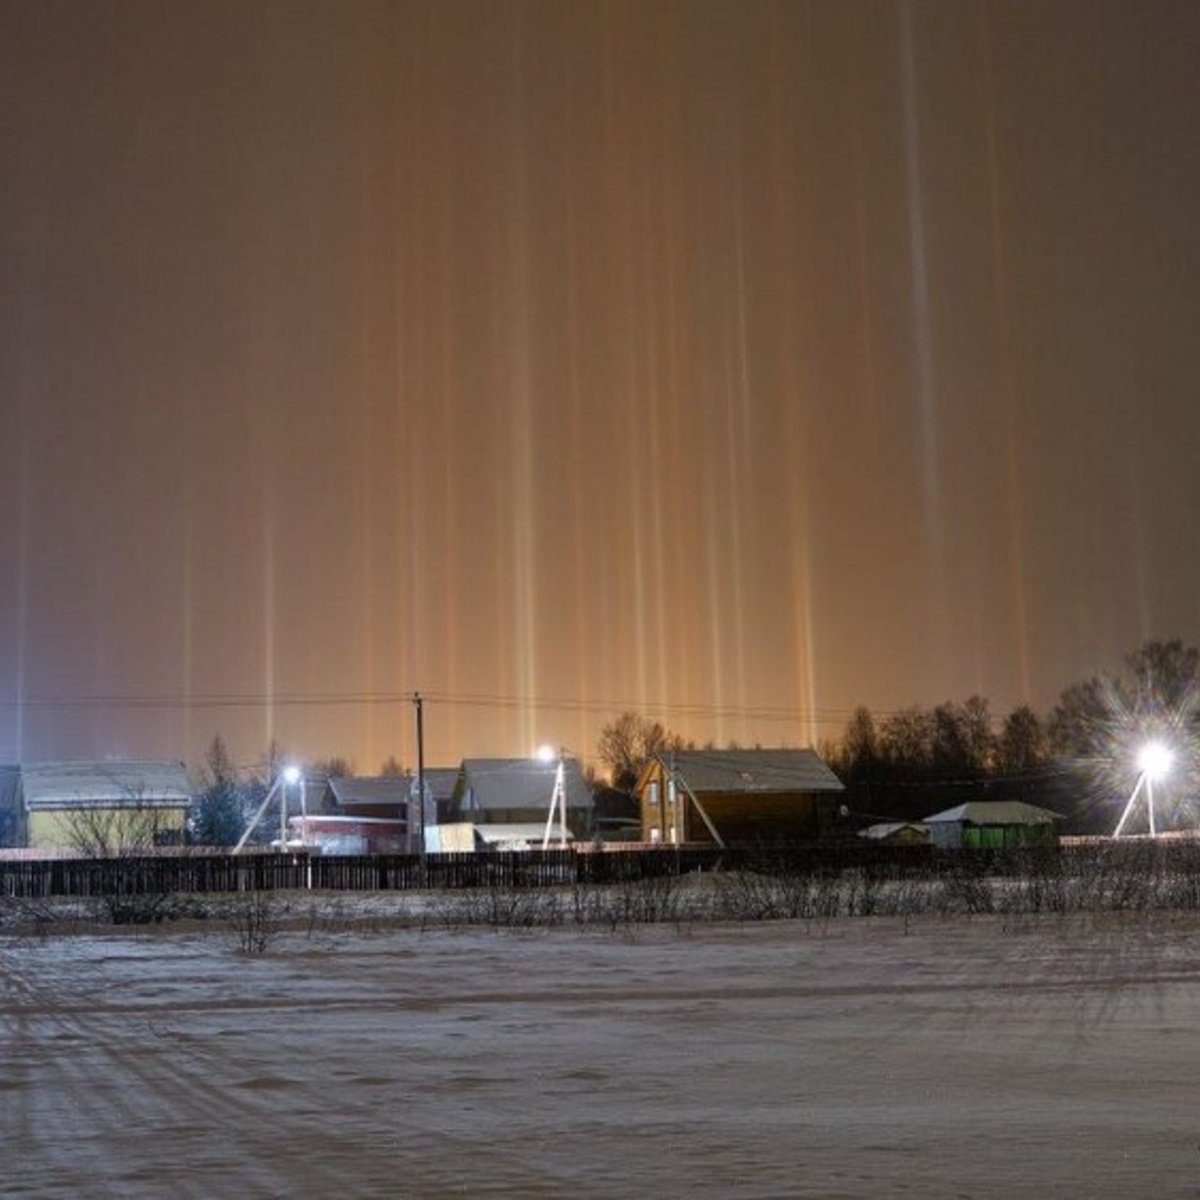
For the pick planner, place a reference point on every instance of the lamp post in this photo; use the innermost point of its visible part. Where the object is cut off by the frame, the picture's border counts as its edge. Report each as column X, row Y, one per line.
column 558, row 797
column 291, row 774
column 1154, row 762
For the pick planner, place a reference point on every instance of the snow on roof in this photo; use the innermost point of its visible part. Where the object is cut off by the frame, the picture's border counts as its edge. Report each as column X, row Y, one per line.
column 996, row 812
column 370, row 789
column 159, row 784
column 523, row 832
column 886, row 829
column 522, row 783
column 752, row 771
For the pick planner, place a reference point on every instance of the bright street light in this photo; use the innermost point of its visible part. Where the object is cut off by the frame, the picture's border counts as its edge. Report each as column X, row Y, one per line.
column 1154, row 760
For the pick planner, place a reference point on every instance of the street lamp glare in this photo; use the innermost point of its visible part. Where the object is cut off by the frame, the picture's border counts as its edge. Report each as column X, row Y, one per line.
column 291, row 774
column 546, row 754
column 1154, row 760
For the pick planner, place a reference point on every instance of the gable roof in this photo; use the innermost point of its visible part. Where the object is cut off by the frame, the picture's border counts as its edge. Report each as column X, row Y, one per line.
column 888, row 829
column 155, row 784
column 995, row 812
column 439, row 782
column 521, row 783
column 752, row 772
column 526, row 834
column 351, row 790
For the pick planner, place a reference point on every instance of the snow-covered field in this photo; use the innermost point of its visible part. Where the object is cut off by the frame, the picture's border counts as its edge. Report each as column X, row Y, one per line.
column 962, row 1056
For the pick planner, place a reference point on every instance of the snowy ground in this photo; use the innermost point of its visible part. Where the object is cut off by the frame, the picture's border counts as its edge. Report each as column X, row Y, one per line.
column 856, row 1058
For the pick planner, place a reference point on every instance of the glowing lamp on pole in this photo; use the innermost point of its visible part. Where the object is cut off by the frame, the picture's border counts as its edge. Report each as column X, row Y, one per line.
column 558, row 798
column 1154, row 763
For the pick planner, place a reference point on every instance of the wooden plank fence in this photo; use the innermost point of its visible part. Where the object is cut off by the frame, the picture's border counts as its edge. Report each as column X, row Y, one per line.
column 203, row 871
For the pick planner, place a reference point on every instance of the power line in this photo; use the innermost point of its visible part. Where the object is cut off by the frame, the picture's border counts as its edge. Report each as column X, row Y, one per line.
column 501, row 701
column 494, row 701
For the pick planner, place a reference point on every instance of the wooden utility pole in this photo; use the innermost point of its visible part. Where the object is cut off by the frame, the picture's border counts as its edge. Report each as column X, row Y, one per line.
column 420, row 707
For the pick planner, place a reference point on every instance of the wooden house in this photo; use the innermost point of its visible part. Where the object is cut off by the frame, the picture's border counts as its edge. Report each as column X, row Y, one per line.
column 519, row 791
column 737, row 797
column 102, row 807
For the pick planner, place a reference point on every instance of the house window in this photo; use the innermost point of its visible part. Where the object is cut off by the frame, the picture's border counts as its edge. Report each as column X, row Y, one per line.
column 652, row 794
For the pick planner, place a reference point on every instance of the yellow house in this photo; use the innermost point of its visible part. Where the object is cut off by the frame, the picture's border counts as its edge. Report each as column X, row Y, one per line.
column 100, row 808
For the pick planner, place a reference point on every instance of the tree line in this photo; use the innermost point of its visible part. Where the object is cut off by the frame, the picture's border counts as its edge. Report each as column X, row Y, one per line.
column 1078, row 759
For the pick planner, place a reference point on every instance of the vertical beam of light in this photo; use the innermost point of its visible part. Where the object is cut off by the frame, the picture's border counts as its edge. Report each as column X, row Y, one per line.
column 519, row 388
column 681, row 684
column 656, row 465
column 409, row 566
column 581, row 634
column 1014, row 492
column 447, row 389
column 919, row 254
column 269, row 628
column 364, row 506
column 863, row 265
column 617, row 205
column 187, row 665
column 795, row 394
column 362, row 423
column 741, row 466
column 24, row 487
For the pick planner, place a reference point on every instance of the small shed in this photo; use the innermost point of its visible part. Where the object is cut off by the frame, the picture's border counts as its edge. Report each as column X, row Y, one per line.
column 897, row 833
column 994, row 825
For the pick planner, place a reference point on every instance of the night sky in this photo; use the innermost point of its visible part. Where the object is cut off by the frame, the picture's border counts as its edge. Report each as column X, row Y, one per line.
column 733, row 362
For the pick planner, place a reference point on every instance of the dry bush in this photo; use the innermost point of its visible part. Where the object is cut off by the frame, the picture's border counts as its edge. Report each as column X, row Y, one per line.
column 256, row 919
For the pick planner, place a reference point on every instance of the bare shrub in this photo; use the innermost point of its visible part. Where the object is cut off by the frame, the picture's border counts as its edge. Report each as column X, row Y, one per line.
column 499, row 906
column 966, row 888
column 256, row 919
column 130, row 887
column 649, row 901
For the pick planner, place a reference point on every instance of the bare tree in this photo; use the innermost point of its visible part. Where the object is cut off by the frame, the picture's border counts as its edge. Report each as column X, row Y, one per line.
column 859, row 755
column 130, row 826
column 1022, row 744
column 906, row 739
column 627, row 743
column 962, row 737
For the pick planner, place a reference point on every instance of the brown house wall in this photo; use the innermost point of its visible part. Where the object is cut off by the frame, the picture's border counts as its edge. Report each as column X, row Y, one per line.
column 745, row 817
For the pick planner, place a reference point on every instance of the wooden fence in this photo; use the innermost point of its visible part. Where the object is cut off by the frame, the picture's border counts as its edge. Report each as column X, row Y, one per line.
column 201, row 871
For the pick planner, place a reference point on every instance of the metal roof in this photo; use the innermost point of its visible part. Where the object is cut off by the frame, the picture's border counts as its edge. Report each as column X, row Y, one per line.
column 886, row 829
column 522, row 783
column 752, row 772
column 525, row 833
column 371, row 789
column 440, row 781
column 159, row 784
column 995, row 812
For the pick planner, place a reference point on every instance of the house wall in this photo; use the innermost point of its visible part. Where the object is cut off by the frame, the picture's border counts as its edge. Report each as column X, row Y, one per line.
column 660, row 807
column 749, row 818
column 744, row 817
column 115, row 828
column 954, row 835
